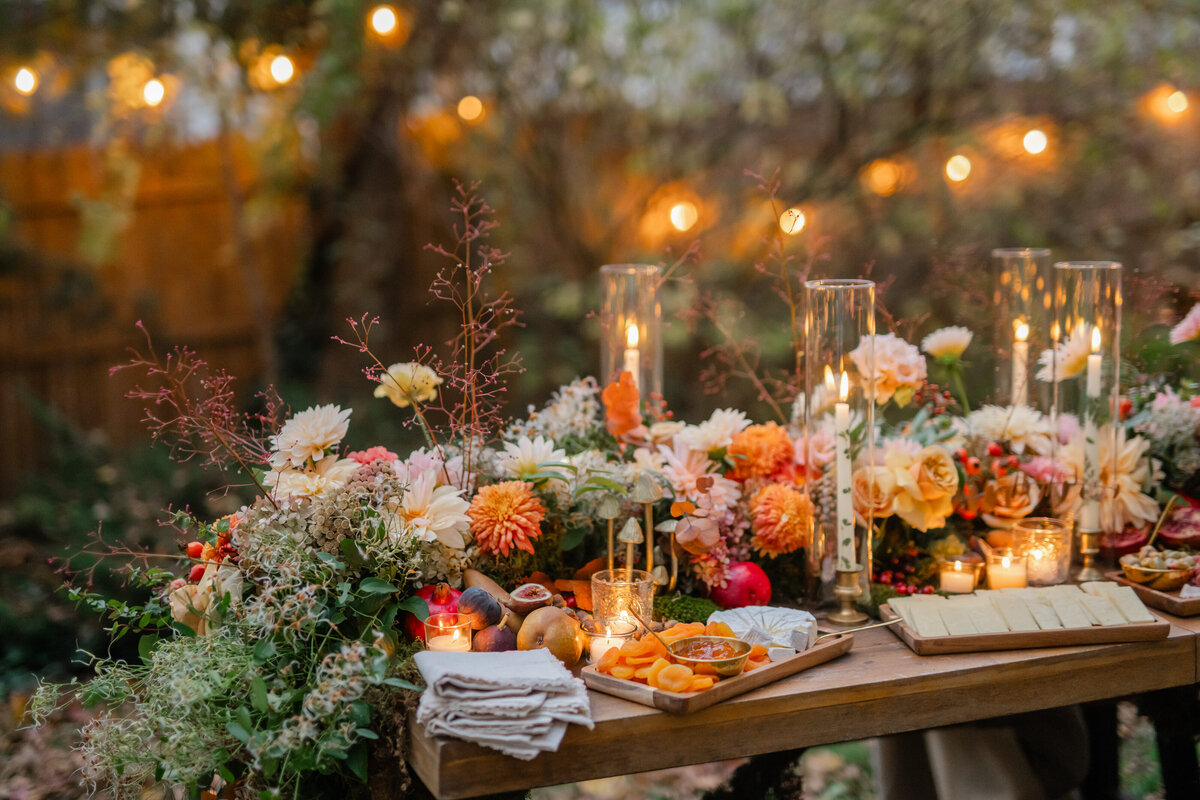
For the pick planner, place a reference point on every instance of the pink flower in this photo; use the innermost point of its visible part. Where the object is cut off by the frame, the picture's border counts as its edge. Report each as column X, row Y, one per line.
column 1045, row 470
column 824, row 450
column 1188, row 328
column 373, row 454
column 897, row 366
column 1068, row 426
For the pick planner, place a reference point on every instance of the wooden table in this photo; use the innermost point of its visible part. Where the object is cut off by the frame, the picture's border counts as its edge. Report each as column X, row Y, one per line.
column 879, row 688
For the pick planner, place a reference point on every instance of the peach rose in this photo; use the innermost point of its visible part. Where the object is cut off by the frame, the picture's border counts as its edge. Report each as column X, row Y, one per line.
column 911, row 503
column 1008, row 499
column 873, row 489
column 935, row 473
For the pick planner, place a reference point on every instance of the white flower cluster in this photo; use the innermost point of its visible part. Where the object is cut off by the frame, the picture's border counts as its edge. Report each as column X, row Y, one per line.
column 573, row 410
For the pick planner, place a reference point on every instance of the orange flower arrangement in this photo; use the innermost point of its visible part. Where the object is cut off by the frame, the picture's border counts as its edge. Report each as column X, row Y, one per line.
column 759, row 451
column 506, row 515
column 620, row 398
column 782, row 519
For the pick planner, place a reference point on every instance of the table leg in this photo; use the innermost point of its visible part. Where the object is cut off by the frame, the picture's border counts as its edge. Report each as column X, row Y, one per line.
column 757, row 776
column 1103, row 780
column 1176, row 722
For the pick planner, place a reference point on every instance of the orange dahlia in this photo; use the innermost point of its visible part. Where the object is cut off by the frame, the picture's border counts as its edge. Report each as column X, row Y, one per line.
column 782, row 520
column 506, row 515
column 759, row 451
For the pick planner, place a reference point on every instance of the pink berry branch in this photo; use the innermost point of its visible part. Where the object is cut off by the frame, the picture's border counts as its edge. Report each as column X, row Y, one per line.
column 195, row 413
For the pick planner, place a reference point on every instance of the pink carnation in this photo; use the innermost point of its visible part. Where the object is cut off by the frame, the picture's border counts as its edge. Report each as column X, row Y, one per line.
column 373, row 454
column 1188, row 328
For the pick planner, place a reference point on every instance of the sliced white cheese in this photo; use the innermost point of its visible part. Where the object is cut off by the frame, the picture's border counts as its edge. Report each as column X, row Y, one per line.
column 1098, row 588
column 928, row 621
column 1044, row 616
column 1016, row 613
column 904, row 608
column 1070, row 612
column 957, row 619
column 755, row 635
column 1129, row 604
column 1102, row 610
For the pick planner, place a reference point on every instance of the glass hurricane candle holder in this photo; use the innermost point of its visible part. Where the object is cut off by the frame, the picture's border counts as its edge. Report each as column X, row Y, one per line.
column 602, row 635
column 839, row 408
column 448, row 632
column 958, row 574
column 1046, row 545
column 1005, row 570
column 1085, row 373
column 631, row 326
column 622, row 595
column 1023, row 299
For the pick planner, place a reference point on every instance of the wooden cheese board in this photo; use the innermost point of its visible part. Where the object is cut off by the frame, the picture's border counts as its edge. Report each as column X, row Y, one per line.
column 1060, row 637
column 677, row 703
column 1170, row 602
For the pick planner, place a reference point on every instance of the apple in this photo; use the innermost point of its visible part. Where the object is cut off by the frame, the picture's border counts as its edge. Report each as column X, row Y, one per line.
column 552, row 628
column 746, row 585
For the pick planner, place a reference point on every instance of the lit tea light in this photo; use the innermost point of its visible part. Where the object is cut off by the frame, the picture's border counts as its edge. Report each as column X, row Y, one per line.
column 607, row 635
column 956, row 576
column 448, row 632
column 1005, row 570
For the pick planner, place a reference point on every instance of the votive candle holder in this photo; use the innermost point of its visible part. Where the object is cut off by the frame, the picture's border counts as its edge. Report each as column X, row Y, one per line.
column 449, row 632
column 606, row 634
column 622, row 595
column 1046, row 544
column 631, row 326
column 1006, row 570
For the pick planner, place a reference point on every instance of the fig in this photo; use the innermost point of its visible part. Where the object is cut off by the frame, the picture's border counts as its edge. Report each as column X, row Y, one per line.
column 495, row 638
column 529, row 596
column 481, row 607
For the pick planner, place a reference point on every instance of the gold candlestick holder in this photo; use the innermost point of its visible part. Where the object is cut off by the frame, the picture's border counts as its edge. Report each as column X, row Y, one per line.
column 846, row 591
column 1089, row 548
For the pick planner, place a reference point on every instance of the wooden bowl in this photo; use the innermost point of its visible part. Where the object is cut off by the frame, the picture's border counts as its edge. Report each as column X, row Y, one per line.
column 724, row 667
column 1164, row 580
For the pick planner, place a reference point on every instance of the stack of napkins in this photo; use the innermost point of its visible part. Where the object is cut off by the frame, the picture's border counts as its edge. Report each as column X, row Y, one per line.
column 518, row 702
column 1017, row 610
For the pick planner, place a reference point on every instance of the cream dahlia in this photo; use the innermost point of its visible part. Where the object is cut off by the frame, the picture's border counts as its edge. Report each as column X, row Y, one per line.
column 1067, row 360
column 1123, row 477
column 714, row 433
column 1024, row 428
column 523, row 456
column 431, row 512
column 307, row 435
column 947, row 344
column 897, row 366
column 505, row 516
column 328, row 473
column 407, row 383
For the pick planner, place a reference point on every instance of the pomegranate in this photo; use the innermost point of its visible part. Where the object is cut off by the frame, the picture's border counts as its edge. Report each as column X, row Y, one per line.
column 441, row 599
column 1129, row 540
column 1182, row 529
column 746, row 585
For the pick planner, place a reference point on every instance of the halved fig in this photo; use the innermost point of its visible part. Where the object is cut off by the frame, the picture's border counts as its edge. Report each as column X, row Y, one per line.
column 528, row 596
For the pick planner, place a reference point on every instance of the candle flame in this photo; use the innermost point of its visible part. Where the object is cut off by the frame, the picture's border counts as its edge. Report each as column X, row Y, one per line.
column 1096, row 339
column 844, row 392
column 631, row 335
column 1005, row 562
column 829, row 384
column 958, row 566
column 1022, row 330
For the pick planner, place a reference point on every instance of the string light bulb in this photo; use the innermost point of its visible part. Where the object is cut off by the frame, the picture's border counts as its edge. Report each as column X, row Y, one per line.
column 282, row 69
column 153, row 92
column 958, row 168
column 684, row 215
column 792, row 221
column 1035, row 142
column 383, row 20
column 1177, row 102
column 470, row 108
column 25, row 81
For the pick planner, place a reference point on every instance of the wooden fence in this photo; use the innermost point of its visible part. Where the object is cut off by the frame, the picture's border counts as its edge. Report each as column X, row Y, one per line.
column 188, row 259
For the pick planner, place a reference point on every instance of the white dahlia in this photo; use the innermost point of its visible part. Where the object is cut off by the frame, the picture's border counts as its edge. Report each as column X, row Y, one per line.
column 715, row 433
column 947, row 343
column 307, row 435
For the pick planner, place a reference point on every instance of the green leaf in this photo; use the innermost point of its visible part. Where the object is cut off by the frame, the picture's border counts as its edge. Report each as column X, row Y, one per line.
column 415, row 606
column 360, row 712
column 357, row 762
column 400, row 683
column 573, row 538
column 237, row 731
column 226, row 774
column 222, row 525
column 332, row 560
column 258, row 694
column 242, row 714
column 183, row 630
column 146, row 645
column 264, row 650
column 366, row 733
column 388, row 618
column 605, row 483
column 354, row 555
column 377, row 586
column 562, row 464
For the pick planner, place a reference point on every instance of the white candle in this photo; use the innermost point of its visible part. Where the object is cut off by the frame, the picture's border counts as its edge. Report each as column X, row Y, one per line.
column 453, row 641
column 632, row 360
column 1089, row 517
column 847, row 557
column 1042, row 567
column 599, row 646
column 956, row 580
column 1020, row 363
column 1006, row 572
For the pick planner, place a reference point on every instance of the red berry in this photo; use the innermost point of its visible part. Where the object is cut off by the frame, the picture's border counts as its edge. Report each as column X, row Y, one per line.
column 972, row 466
column 175, row 584
column 961, row 454
column 194, row 549
column 994, row 449
column 197, row 573
column 1013, row 461
column 885, row 579
column 1125, row 408
column 926, row 590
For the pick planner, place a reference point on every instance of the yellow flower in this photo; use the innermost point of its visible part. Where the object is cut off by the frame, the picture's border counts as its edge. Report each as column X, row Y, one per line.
column 925, row 486
column 407, row 383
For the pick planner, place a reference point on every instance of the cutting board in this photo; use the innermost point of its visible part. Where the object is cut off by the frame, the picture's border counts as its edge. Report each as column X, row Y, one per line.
column 1021, row 640
column 679, row 703
column 1170, row 602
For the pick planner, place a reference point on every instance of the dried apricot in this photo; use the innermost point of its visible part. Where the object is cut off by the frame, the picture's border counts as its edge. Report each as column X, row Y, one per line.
column 623, row 672
column 700, row 683
column 609, row 660
column 754, row 664
column 642, row 660
column 719, row 629
column 642, row 673
column 636, row 648
column 655, row 668
column 758, row 652
column 675, row 678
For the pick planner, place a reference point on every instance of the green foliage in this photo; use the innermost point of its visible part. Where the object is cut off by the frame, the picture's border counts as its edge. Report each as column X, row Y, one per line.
column 683, row 608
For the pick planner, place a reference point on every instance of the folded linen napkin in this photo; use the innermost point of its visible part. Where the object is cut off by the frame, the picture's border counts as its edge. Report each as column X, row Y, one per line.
column 517, row 702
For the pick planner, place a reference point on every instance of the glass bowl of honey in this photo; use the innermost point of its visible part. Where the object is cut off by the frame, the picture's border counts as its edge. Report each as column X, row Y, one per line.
column 712, row 655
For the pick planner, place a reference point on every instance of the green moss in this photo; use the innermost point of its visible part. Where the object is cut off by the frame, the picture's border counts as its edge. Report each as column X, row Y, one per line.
column 683, row 608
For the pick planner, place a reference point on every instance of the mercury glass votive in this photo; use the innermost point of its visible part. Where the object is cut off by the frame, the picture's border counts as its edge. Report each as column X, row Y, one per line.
column 622, row 595
column 602, row 635
column 448, row 632
column 1005, row 570
column 1046, row 545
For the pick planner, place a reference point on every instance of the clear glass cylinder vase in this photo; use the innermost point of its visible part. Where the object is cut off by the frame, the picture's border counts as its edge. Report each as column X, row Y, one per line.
column 839, row 423
column 631, row 326
column 1023, row 299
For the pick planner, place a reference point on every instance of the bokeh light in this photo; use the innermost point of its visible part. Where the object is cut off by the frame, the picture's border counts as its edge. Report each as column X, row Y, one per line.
column 684, row 215
column 792, row 221
column 282, row 69
column 958, row 168
column 26, row 81
column 470, row 108
column 383, row 20
column 1177, row 102
column 883, row 177
column 1035, row 142
column 153, row 92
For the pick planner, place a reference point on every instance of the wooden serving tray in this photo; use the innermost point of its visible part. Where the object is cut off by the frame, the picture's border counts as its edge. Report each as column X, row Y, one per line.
column 1170, row 602
column 679, row 703
column 1063, row 637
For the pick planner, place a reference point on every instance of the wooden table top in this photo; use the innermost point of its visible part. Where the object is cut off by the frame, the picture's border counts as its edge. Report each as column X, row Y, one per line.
column 880, row 687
